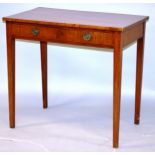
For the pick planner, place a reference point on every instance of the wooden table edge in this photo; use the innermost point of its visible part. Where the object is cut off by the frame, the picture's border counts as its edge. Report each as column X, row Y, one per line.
column 121, row 29
column 7, row 19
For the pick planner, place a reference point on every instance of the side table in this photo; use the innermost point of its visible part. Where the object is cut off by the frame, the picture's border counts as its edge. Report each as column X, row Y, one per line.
column 96, row 29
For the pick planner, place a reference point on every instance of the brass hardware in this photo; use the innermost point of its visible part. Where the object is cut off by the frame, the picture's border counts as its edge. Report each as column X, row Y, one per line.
column 86, row 36
column 35, row 31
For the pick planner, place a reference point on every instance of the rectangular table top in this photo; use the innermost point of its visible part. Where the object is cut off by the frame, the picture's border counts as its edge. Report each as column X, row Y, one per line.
column 81, row 19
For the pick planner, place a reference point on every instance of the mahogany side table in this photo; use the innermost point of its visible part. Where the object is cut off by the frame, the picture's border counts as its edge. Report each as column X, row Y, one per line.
column 96, row 29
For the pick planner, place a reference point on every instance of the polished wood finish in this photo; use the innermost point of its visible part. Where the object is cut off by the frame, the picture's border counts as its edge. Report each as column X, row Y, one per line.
column 77, row 19
column 139, row 74
column 117, row 86
column 132, row 34
column 11, row 74
column 43, row 47
column 63, row 35
column 95, row 29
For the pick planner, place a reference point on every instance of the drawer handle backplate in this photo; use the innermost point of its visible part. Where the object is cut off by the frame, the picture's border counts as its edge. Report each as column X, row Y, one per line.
column 35, row 31
column 86, row 36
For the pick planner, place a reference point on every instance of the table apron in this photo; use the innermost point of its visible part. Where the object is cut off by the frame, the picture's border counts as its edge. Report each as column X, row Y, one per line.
column 74, row 36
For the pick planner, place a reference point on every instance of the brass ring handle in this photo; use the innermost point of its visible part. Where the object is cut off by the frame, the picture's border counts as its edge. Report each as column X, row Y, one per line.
column 35, row 31
column 86, row 36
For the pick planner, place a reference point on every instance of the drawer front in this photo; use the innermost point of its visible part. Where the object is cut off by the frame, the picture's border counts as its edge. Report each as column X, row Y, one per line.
column 63, row 35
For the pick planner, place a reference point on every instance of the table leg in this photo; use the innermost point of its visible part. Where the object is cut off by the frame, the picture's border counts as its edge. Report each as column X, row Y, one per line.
column 43, row 47
column 117, row 88
column 11, row 75
column 139, row 74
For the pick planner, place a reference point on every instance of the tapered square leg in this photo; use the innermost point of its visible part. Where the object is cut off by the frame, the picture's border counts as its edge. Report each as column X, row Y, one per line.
column 43, row 47
column 139, row 74
column 117, row 88
column 11, row 74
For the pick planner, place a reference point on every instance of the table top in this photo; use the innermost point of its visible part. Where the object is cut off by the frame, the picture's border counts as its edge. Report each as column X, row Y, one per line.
column 81, row 19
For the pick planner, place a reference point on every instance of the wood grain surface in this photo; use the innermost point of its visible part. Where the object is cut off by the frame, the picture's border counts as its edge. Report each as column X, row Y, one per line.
column 83, row 19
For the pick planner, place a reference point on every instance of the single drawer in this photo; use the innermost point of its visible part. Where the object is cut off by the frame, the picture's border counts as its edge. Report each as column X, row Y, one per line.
column 67, row 35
